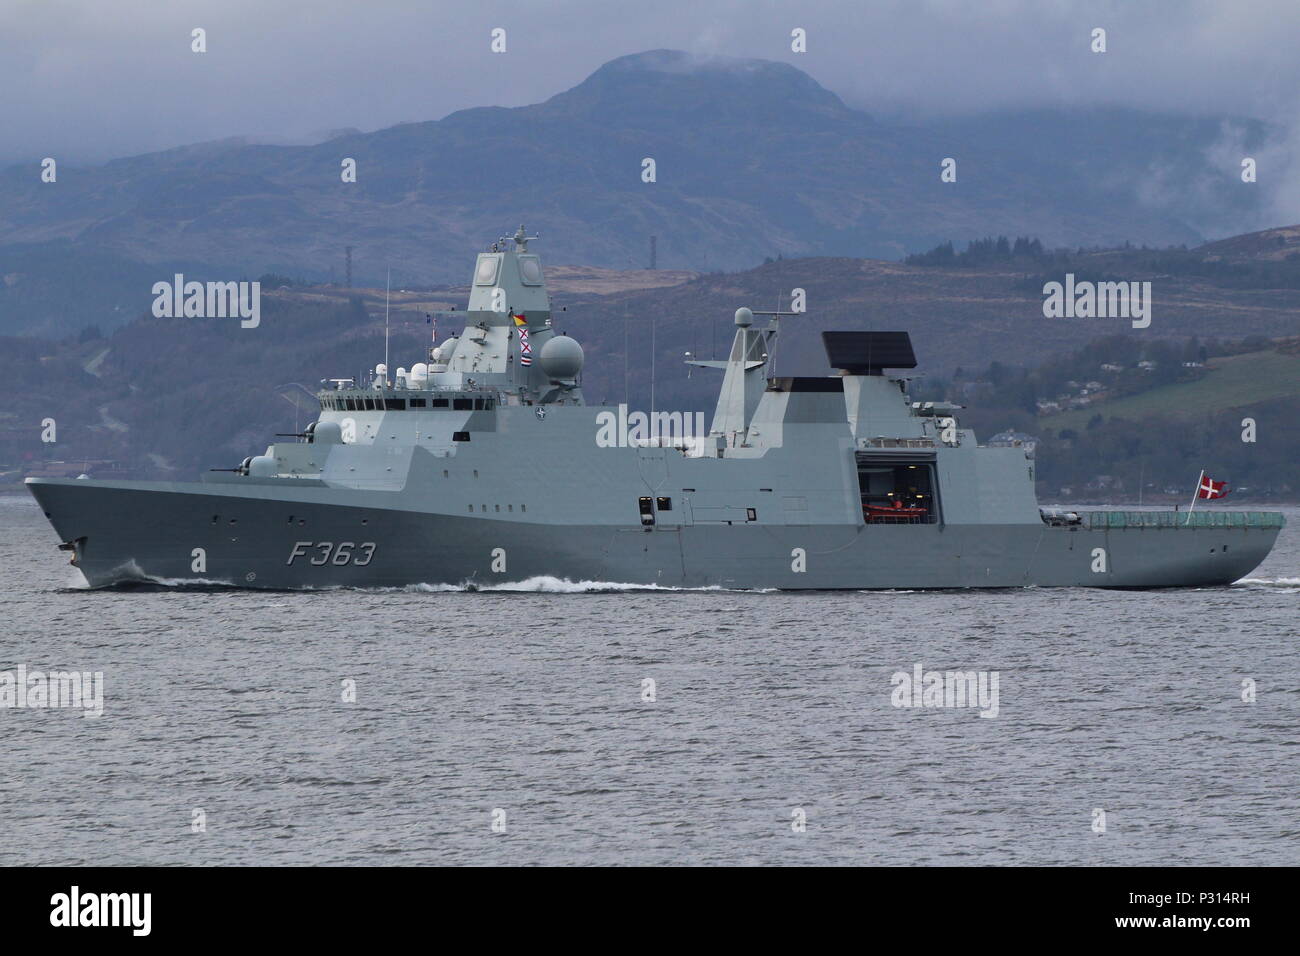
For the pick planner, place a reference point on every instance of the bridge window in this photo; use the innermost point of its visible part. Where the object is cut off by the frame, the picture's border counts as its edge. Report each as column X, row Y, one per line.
column 417, row 403
column 460, row 436
column 439, row 403
column 395, row 404
column 664, row 504
column 462, row 404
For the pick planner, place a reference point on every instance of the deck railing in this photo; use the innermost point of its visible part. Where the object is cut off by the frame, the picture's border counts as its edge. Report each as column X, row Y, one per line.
column 1182, row 519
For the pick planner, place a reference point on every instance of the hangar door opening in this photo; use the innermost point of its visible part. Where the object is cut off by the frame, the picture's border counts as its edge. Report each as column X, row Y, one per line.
column 898, row 489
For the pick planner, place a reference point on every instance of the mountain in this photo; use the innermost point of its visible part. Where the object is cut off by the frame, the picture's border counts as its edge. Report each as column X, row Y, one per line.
column 754, row 159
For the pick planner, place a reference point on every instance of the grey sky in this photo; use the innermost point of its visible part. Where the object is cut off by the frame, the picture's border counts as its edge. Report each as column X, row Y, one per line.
column 89, row 79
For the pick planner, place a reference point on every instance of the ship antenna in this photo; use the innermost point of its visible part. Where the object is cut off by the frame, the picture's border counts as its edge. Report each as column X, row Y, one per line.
column 388, row 285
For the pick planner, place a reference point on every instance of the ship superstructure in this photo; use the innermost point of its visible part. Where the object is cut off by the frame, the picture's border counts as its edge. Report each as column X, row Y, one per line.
column 482, row 463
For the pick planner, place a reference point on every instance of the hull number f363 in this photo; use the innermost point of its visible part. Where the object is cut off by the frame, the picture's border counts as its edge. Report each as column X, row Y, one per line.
column 327, row 552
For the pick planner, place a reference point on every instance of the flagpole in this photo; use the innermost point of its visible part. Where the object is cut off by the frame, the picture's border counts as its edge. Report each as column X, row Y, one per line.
column 388, row 285
column 1195, row 494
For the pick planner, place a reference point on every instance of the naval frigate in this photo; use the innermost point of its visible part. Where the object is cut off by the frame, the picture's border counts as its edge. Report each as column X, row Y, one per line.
column 482, row 464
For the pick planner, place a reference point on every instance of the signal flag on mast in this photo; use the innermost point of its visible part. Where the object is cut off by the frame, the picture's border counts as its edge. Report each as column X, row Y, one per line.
column 525, row 350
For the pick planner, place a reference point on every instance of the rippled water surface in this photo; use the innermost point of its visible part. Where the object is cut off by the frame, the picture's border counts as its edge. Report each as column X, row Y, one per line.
column 231, row 702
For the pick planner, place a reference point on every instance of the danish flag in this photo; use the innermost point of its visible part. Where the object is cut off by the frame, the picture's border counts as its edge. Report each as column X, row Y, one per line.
column 1212, row 489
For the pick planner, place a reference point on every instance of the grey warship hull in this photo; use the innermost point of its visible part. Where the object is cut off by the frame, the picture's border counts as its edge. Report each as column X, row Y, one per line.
column 148, row 532
column 486, row 467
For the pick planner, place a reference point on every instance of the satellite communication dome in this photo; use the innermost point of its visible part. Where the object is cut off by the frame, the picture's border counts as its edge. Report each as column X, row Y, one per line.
column 561, row 358
column 744, row 317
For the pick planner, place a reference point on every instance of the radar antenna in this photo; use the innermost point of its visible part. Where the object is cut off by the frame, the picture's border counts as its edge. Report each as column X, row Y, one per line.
column 522, row 239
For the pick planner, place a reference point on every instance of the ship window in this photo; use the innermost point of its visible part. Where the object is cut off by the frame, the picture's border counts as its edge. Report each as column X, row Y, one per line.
column 445, row 474
column 350, row 404
column 664, row 504
column 478, row 404
column 498, row 507
column 460, row 436
column 439, row 403
column 523, row 507
column 417, row 403
column 510, row 507
column 471, row 507
column 462, row 404
column 395, row 404
column 490, row 404
column 751, row 514
column 646, row 507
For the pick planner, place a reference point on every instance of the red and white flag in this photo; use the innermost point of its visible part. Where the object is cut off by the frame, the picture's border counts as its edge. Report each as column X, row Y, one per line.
column 525, row 350
column 1212, row 489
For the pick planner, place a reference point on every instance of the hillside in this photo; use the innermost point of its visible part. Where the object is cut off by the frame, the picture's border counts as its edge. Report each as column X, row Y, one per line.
column 1230, row 382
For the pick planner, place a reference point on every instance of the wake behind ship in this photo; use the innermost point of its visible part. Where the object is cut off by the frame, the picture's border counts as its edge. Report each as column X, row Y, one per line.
column 484, row 465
